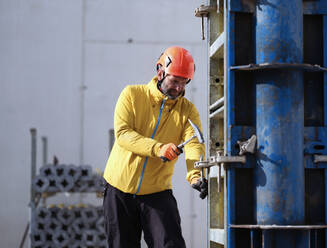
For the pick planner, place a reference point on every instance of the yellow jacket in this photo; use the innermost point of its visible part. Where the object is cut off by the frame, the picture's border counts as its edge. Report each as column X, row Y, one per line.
column 136, row 115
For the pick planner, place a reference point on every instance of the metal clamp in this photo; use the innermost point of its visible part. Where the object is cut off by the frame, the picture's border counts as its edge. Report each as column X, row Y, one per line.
column 219, row 161
column 248, row 145
column 203, row 11
column 320, row 158
column 216, row 160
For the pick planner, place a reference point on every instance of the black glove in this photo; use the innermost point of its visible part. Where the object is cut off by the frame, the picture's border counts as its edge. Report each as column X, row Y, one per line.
column 202, row 186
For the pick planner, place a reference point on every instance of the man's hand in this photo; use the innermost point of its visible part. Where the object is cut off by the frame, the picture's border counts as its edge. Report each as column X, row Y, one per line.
column 200, row 185
column 169, row 152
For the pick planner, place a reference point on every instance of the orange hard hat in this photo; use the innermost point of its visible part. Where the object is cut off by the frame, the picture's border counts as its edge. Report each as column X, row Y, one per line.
column 177, row 61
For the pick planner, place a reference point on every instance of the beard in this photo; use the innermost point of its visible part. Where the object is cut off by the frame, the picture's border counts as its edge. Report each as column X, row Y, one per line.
column 170, row 93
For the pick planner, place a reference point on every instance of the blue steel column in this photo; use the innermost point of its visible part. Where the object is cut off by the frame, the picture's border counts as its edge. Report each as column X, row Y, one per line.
column 230, row 95
column 325, row 108
column 279, row 174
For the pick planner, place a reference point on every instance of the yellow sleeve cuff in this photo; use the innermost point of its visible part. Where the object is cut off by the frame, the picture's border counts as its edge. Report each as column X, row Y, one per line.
column 155, row 149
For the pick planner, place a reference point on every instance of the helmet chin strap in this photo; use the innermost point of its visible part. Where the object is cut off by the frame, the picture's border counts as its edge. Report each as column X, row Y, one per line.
column 161, row 90
column 159, row 82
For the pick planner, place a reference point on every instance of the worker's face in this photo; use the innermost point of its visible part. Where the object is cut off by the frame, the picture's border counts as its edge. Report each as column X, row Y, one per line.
column 173, row 86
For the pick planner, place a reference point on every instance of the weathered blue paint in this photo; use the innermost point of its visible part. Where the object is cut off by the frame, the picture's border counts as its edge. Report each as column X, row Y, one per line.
column 325, row 108
column 325, row 64
column 231, row 77
column 242, row 5
column 282, row 139
column 315, row 142
column 279, row 174
column 315, row 7
column 325, row 203
column 230, row 60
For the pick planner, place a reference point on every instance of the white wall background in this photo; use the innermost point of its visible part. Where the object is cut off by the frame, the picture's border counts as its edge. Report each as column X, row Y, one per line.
column 63, row 64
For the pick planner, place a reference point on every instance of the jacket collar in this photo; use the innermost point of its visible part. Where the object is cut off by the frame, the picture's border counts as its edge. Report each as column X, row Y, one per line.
column 157, row 95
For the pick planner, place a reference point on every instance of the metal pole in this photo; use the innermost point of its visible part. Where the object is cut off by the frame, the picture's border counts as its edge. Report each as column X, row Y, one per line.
column 33, row 174
column 45, row 150
column 33, row 162
column 229, row 120
column 27, row 228
column 82, row 86
column 279, row 174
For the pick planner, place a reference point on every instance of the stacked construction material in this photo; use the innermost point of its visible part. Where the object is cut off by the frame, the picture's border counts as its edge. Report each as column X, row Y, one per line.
column 67, row 227
column 71, row 227
column 67, row 178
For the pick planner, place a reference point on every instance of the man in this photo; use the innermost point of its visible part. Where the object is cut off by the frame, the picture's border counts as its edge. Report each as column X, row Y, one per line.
column 149, row 121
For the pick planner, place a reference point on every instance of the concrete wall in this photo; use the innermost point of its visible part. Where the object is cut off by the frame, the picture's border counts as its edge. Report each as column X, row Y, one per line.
column 63, row 64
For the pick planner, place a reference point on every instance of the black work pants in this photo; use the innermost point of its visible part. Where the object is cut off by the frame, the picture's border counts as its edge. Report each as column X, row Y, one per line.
column 126, row 216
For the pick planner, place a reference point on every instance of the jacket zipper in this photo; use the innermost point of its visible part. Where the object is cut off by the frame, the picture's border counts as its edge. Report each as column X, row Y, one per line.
column 146, row 159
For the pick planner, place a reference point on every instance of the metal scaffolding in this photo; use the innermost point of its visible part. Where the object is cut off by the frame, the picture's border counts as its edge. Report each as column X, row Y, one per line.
column 267, row 124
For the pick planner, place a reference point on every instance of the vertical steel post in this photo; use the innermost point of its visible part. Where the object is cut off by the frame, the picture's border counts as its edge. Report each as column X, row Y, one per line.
column 279, row 174
column 33, row 174
column 33, row 162
column 325, row 65
column 44, row 150
column 325, row 204
column 325, row 105
column 229, row 116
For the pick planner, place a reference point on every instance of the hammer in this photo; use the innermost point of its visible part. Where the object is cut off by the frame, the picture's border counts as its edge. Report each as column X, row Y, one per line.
column 197, row 134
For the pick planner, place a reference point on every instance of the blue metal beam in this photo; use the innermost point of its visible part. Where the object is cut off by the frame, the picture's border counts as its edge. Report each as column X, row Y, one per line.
column 325, row 204
column 315, row 7
column 325, row 74
column 309, row 7
column 325, row 110
column 282, row 137
column 230, row 76
column 230, row 122
column 279, row 174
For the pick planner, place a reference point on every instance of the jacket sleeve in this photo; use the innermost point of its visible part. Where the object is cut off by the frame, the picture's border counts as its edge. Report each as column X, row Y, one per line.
column 193, row 149
column 125, row 135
